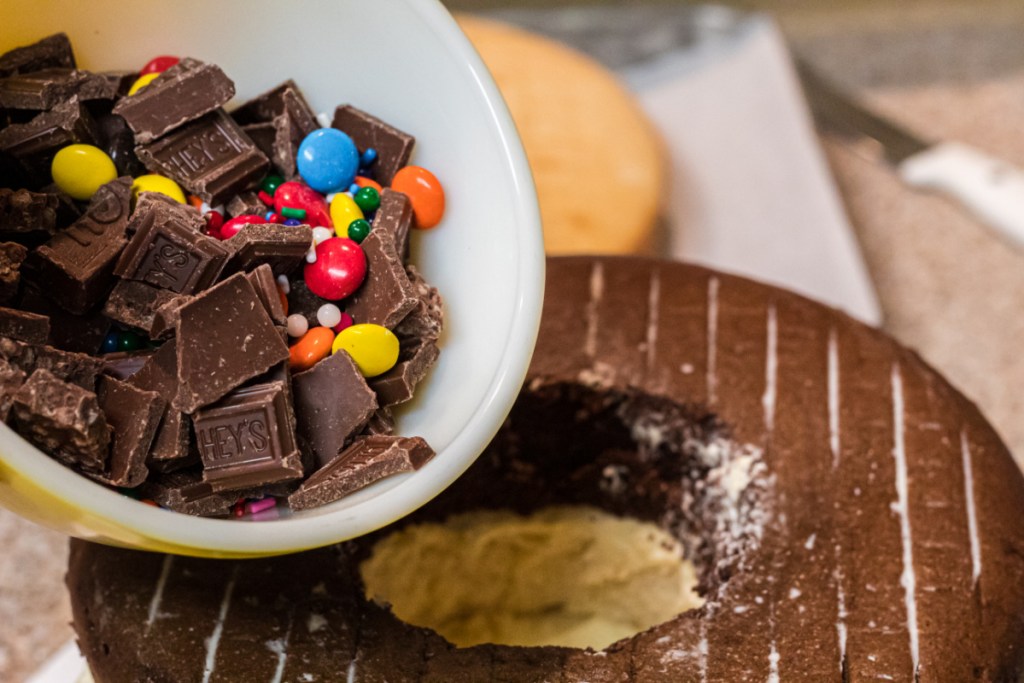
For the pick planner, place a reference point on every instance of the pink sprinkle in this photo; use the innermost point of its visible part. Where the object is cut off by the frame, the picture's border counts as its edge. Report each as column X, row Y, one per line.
column 346, row 321
column 254, row 506
column 266, row 515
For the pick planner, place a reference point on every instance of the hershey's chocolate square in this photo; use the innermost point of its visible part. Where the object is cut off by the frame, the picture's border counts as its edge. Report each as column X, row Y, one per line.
column 135, row 415
column 278, row 121
column 52, row 51
column 40, row 90
column 282, row 247
column 34, row 144
column 134, row 304
column 393, row 146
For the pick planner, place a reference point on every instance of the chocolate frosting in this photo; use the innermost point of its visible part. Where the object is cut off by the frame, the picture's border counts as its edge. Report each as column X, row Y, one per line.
column 854, row 518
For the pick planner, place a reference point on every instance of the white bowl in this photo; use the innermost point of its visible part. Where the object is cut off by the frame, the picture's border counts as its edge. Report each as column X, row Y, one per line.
column 407, row 62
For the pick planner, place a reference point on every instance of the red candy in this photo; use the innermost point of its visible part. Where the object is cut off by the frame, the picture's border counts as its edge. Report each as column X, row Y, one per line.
column 295, row 195
column 346, row 321
column 231, row 228
column 214, row 223
column 158, row 65
column 339, row 269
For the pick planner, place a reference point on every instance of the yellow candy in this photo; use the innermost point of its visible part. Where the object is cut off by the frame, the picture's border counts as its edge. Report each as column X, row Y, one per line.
column 141, row 83
column 374, row 348
column 80, row 170
column 157, row 183
column 344, row 210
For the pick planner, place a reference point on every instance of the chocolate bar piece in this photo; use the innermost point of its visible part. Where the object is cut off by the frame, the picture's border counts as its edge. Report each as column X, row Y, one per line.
column 107, row 85
column 70, row 332
column 278, row 121
column 246, row 204
column 158, row 208
column 124, row 364
column 426, row 321
column 387, row 295
column 63, row 420
column 185, row 491
column 40, row 90
column 263, row 281
column 76, row 368
column 135, row 415
column 181, row 94
column 134, row 304
column 368, row 132
column 34, row 144
column 210, row 157
column 382, row 423
column 24, row 326
column 225, row 338
column 167, row 252
column 332, row 403
column 366, row 461
column 247, row 439
column 52, row 51
column 167, row 316
column 282, row 247
column 397, row 384
column 160, row 374
column 12, row 255
column 78, row 263
column 27, row 216
column 11, row 379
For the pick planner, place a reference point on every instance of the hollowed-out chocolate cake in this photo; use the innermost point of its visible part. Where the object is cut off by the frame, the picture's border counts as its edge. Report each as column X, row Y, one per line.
column 851, row 516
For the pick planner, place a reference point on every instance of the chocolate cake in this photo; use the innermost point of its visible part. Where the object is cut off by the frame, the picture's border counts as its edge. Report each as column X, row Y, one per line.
column 851, row 515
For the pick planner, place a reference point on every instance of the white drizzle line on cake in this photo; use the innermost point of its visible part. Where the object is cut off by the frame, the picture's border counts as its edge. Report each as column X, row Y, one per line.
column 712, row 377
column 350, row 676
column 653, row 299
column 972, row 518
column 833, row 395
column 908, row 579
column 213, row 642
column 771, row 366
column 773, row 664
column 596, row 294
column 702, row 648
column 840, row 609
column 158, row 593
column 280, row 648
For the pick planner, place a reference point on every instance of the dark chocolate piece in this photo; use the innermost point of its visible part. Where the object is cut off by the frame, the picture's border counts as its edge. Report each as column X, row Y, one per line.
column 181, row 94
column 63, row 420
column 167, row 252
column 278, row 121
column 398, row 384
column 40, row 90
column 426, row 321
column 185, row 491
column 24, row 326
column 12, row 255
column 210, row 157
column 246, row 204
column 332, row 403
column 262, row 280
column 366, row 461
column 282, row 247
column 123, row 364
column 76, row 368
column 247, row 439
column 11, row 379
column 160, row 374
column 52, row 51
column 135, row 303
column 225, row 338
column 135, row 415
column 78, row 264
column 26, row 215
column 368, row 132
column 116, row 139
column 34, row 144
column 70, row 332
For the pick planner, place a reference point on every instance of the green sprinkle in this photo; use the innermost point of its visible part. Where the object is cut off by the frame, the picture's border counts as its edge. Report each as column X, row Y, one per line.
column 289, row 212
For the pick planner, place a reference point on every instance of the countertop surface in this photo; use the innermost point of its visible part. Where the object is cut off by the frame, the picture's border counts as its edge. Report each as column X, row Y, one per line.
column 948, row 288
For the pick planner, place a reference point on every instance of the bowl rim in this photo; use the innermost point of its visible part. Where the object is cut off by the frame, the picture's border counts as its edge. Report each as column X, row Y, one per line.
column 130, row 522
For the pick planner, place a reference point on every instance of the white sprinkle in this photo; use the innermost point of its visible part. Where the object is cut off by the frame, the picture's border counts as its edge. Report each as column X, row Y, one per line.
column 773, row 664
column 740, row 609
column 833, row 395
column 809, row 543
column 794, row 593
column 321, row 233
column 311, row 255
column 351, row 677
column 686, row 368
column 158, row 594
column 653, row 296
column 328, row 315
column 297, row 325
column 213, row 642
column 907, row 580
column 323, row 119
column 771, row 368
column 330, row 197
column 712, row 378
column 596, row 293
column 284, row 285
column 972, row 519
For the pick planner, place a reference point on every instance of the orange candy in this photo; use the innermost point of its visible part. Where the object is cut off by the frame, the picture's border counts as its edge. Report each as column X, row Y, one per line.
column 311, row 348
column 362, row 181
column 425, row 193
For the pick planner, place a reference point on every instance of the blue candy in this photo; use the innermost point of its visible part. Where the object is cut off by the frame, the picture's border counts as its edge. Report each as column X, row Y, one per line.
column 110, row 342
column 292, row 222
column 328, row 160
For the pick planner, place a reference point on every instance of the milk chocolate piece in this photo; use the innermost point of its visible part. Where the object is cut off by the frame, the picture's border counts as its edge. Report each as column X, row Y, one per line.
column 167, row 252
column 134, row 304
column 11, row 379
column 393, row 146
column 382, row 423
column 225, row 337
column 263, row 281
column 40, row 90
column 70, row 332
column 160, row 374
column 282, row 247
column 76, row 368
column 107, row 85
column 124, row 364
column 63, row 420
column 12, row 255
column 278, row 121
column 185, row 491
column 158, row 208
column 246, row 204
column 52, row 51
column 398, row 384
column 332, row 403
column 210, row 157
column 181, row 94
column 34, row 144
column 135, row 415
column 78, row 263
column 426, row 320
column 166, row 317
column 366, row 461
column 24, row 326
column 27, row 216
column 248, row 439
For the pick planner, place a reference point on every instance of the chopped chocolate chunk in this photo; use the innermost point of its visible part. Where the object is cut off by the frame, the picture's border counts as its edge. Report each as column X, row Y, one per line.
column 70, row 332
column 368, row 132
column 40, row 90
column 34, row 144
column 282, row 247
column 76, row 368
column 246, row 204
column 167, row 252
column 107, row 85
column 52, row 51
column 11, row 379
column 160, row 374
column 116, row 139
column 366, row 461
column 397, row 384
column 62, row 419
column 427, row 319
column 135, row 303
column 123, row 364
column 185, row 491
column 278, row 121
column 78, row 264
column 135, row 415
column 12, row 255
column 332, row 403
column 247, row 439
column 26, row 215
column 167, row 316
column 283, row 99
column 210, row 157
column 179, row 95
column 262, row 280
column 156, row 207
column 225, row 337
column 24, row 326
column 303, row 302
column 382, row 423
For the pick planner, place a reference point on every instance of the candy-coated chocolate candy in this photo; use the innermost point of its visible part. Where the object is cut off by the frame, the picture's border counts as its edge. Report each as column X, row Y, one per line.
column 339, row 269
column 80, row 170
column 345, row 322
column 231, row 227
column 374, row 348
column 129, row 341
column 141, row 82
column 313, row 347
column 297, row 325
column 292, row 222
column 158, row 65
column 271, row 183
column 367, row 199
column 327, row 160
column 344, row 210
column 158, row 183
column 425, row 193
column 363, row 181
column 358, row 230
column 110, row 342
column 214, row 223
column 298, row 196
column 328, row 315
